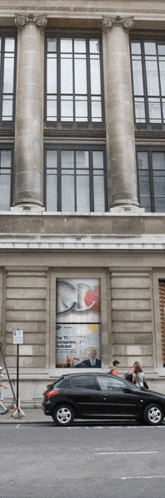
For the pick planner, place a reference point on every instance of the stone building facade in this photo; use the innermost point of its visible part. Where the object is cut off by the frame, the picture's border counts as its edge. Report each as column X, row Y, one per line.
column 82, row 188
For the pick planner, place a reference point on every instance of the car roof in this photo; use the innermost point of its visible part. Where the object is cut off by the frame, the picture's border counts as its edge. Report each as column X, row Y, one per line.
column 87, row 374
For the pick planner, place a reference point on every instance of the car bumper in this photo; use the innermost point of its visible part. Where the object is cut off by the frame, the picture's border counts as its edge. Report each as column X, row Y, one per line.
column 47, row 407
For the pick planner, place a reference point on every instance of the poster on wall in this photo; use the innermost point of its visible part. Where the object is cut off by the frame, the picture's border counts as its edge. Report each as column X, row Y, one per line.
column 78, row 323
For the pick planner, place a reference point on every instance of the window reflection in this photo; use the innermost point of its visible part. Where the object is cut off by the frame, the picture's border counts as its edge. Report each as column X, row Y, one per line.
column 151, row 179
column 110, row 384
column 76, row 85
column 77, row 178
column 7, row 55
column 148, row 71
column 5, row 179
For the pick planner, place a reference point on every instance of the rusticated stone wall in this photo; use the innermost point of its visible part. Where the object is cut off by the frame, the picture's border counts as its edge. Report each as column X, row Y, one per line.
column 26, row 309
column 132, row 324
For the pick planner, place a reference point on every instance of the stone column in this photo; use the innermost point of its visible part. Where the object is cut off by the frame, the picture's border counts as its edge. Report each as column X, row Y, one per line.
column 28, row 167
column 122, row 173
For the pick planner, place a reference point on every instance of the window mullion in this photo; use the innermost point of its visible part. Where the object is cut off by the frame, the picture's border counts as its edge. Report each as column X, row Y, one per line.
column 160, row 92
column 91, row 180
column 73, row 69
column 151, row 181
column 59, row 181
column 145, row 84
column 102, row 83
column 58, row 80
column 1, row 76
column 75, row 182
column 12, row 177
column 105, row 182
column 88, row 81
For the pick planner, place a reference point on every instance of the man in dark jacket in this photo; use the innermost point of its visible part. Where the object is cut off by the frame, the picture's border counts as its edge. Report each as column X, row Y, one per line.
column 92, row 362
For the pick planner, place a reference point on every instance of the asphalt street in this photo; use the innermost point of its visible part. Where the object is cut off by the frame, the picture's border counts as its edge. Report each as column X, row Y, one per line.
column 83, row 461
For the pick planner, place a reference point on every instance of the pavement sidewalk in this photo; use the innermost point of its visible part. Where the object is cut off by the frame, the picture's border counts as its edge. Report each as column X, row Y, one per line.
column 32, row 416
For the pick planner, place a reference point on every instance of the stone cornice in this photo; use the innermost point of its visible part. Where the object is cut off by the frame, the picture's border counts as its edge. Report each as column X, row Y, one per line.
column 21, row 20
column 84, row 242
column 90, row 11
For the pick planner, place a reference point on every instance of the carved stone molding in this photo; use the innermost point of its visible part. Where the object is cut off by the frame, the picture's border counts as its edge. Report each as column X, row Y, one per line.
column 109, row 22
column 21, row 20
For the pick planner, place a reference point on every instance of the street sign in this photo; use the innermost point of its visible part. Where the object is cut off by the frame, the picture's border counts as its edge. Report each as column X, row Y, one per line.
column 18, row 336
column 18, row 339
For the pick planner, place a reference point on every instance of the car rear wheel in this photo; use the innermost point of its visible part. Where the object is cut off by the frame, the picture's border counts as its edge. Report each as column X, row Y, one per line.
column 153, row 414
column 63, row 415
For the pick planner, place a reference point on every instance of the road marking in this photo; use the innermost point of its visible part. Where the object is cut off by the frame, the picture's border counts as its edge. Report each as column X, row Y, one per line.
column 144, row 477
column 126, row 453
column 72, row 427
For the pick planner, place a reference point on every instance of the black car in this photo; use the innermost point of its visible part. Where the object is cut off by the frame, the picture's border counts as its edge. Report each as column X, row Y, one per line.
column 101, row 396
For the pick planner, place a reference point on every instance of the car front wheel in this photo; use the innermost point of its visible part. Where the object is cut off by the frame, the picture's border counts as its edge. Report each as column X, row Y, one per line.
column 63, row 415
column 153, row 415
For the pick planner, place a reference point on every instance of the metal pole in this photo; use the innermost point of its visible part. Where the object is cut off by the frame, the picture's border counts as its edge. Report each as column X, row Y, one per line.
column 17, row 376
column 11, row 385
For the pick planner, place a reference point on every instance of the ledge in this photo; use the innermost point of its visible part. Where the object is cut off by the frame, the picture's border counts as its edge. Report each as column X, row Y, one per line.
column 79, row 231
column 81, row 224
column 84, row 242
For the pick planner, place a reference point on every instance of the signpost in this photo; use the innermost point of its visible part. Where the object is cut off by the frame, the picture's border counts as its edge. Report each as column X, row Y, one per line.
column 18, row 339
column 3, row 358
column 18, row 336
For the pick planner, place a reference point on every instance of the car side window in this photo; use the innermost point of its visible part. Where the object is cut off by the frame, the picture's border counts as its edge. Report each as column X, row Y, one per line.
column 110, row 383
column 84, row 382
column 65, row 383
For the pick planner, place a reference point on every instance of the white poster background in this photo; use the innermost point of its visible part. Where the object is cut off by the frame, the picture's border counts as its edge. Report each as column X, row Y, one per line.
column 78, row 321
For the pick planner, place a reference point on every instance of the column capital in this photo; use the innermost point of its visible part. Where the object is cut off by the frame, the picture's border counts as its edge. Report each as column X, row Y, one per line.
column 21, row 20
column 109, row 22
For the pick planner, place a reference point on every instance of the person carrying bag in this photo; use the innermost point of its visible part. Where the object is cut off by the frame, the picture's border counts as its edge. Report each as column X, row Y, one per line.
column 139, row 376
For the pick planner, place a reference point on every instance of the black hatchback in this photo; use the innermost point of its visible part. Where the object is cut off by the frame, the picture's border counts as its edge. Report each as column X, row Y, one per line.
column 102, row 397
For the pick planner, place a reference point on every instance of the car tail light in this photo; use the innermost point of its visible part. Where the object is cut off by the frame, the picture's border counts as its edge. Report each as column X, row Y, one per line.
column 48, row 394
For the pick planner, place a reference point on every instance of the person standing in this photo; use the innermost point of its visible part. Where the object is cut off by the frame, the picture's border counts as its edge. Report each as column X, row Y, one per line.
column 5, row 410
column 68, row 362
column 114, row 370
column 138, row 376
